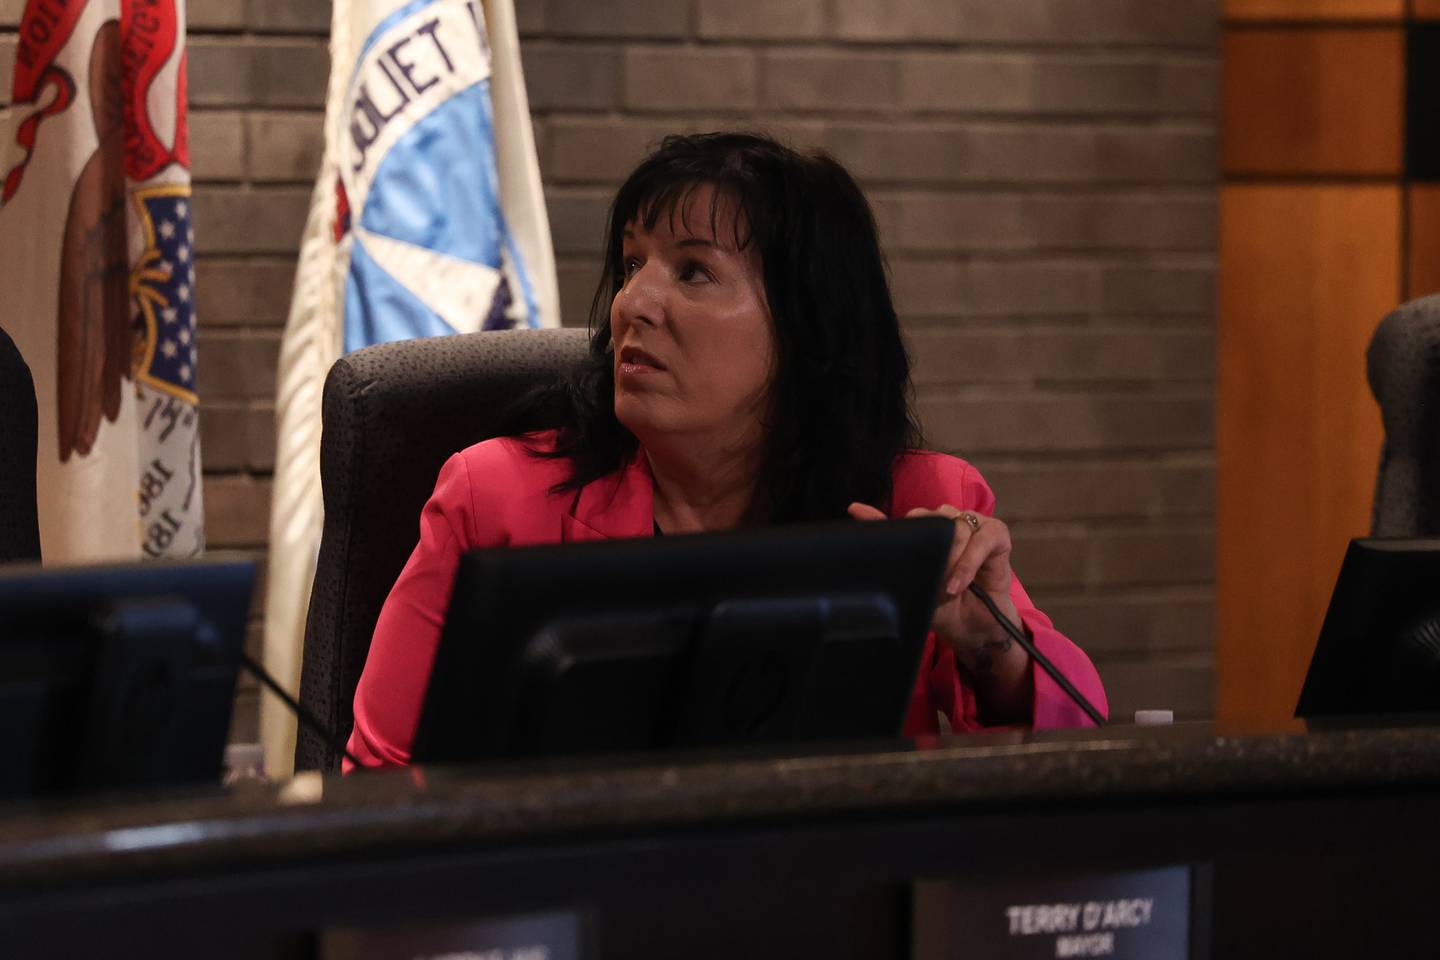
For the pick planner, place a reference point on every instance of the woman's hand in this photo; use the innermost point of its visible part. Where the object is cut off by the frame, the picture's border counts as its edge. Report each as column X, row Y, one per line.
column 980, row 553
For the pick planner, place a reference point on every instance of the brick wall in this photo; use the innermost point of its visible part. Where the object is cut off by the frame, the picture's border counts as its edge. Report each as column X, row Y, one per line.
column 1044, row 174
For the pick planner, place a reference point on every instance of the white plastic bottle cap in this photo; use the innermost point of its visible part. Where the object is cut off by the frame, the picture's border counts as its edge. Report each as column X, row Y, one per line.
column 1146, row 718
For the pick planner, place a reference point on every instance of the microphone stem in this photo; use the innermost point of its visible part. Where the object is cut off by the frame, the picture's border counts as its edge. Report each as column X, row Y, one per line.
column 1029, row 647
column 305, row 716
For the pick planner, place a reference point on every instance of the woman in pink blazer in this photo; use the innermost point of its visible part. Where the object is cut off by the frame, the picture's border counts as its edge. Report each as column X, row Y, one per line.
column 746, row 368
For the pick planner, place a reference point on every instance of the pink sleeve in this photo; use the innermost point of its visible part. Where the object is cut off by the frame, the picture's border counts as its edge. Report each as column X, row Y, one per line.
column 942, row 686
column 397, row 669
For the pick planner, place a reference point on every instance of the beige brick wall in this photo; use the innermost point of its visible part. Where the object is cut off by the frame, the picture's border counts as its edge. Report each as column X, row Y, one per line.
column 1044, row 173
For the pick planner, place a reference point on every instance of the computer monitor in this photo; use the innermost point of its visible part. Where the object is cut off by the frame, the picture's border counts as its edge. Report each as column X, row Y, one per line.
column 799, row 633
column 121, row 676
column 1379, row 648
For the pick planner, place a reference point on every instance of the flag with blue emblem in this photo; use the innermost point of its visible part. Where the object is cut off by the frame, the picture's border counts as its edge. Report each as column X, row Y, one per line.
column 98, row 258
column 421, row 207
column 427, row 219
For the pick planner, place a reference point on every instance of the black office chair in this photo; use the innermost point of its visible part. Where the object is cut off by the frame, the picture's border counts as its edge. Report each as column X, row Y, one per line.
column 392, row 414
column 1403, row 363
column 19, row 523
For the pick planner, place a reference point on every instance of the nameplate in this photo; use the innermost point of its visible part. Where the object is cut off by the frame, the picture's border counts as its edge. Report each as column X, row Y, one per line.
column 539, row 936
column 1120, row 915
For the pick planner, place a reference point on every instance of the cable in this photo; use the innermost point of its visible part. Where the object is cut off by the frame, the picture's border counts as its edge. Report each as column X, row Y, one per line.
column 1025, row 644
column 305, row 716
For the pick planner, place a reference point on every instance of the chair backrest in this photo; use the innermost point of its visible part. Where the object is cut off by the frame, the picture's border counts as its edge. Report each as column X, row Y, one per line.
column 1403, row 363
column 19, row 523
column 392, row 415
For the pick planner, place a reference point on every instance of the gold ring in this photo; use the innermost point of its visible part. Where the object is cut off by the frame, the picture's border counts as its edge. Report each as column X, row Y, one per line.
column 971, row 519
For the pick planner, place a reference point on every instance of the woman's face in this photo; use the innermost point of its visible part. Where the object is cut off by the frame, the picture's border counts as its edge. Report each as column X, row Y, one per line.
column 692, row 333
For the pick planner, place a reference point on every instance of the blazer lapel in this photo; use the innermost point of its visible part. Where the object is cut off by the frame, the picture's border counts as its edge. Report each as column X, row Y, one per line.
column 576, row 531
column 620, row 505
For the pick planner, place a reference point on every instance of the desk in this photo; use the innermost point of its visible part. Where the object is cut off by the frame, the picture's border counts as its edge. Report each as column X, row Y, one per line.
column 1318, row 844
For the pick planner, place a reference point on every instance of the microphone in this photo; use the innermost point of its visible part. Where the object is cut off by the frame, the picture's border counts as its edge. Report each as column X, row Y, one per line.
column 306, row 718
column 1019, row 637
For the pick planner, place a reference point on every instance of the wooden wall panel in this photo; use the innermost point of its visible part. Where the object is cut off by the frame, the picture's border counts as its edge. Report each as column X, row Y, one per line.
column 1314, row 9
column 1426, row 9
column 1313, row 101
column 1306, row 272
column 1423, row 254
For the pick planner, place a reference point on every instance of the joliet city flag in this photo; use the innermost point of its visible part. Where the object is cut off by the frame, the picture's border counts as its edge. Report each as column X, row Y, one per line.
column 427, row 219
column 96, row 255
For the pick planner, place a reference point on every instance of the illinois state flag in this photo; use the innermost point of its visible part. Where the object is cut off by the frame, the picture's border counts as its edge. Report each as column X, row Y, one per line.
column 427, row 219
column 97, row 254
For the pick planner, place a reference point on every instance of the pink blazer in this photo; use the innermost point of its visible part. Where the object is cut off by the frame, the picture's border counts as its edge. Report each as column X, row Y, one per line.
column 496, row 494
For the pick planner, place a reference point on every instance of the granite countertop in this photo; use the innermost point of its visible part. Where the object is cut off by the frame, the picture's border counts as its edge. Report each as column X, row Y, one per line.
column 314, row 816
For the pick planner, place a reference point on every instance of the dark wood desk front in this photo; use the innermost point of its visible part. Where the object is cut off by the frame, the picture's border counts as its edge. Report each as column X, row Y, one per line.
column 1304, row 844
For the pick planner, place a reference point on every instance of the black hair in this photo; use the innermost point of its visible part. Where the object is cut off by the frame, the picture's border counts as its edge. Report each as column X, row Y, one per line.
column 840, row 402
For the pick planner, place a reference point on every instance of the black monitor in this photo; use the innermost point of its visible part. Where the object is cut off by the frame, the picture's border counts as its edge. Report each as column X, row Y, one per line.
column 1379, row 648
column 121, row 676
column 799, row 633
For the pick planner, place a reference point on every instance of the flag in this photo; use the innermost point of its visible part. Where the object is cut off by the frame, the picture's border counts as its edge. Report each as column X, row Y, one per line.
column 427, row 218
column 97, row 253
